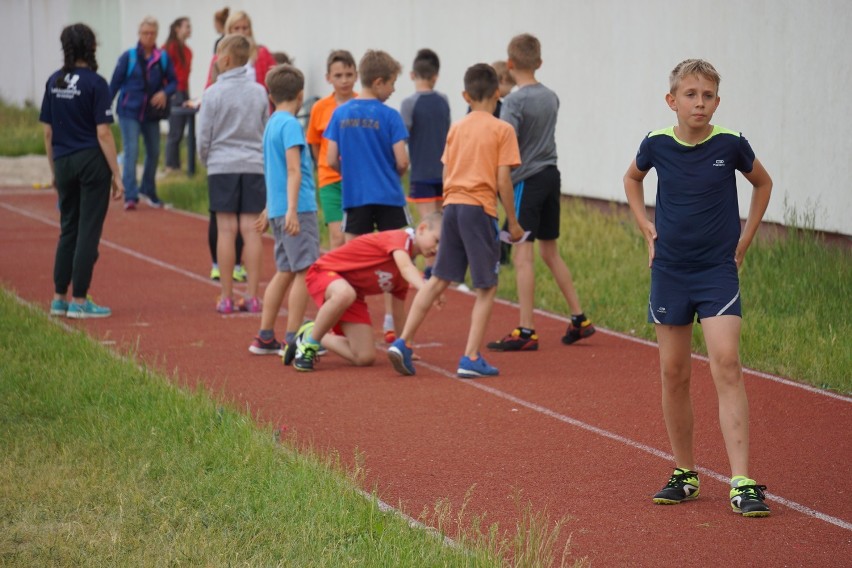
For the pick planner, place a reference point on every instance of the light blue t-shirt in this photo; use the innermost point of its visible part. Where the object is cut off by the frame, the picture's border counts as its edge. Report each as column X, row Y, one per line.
column 283, row 131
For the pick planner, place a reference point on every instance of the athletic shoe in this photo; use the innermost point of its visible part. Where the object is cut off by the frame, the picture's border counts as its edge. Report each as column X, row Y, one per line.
column 261, row 347
column 240, row 274
column 514, row 342
column 306, row 357
column 747, row 499
column 574, row 334
column 390, row 336
column 252, row 306
column 225, row 306
column 130, row 205
column 214, row 273
column 289, row 349
column 152, row 202
column 58, row 307
column 400, row 357
column 86, row 310
column 469, row 368
column 683, row 486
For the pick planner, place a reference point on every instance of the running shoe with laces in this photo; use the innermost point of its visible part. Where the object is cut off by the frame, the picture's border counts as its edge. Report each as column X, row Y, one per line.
column 747, row 498
column 390, row 336
column 515, row 341
column 240, row 274
column 261, row 347
column 575, row 333
column 130, row 205
column 215, row 274
column 252, row 305
column 290, row 348
column 682, row 486
column 225, row 306
column 400, row 357
column 86, row 310
column 473, row 368
column 306, row 356
column 58, row 307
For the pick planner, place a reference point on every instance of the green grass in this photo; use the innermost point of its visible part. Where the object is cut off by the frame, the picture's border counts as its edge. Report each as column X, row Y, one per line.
column 22, row 132
column 106, row 463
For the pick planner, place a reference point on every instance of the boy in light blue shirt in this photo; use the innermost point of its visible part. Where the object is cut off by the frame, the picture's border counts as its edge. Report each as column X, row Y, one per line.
column 291, row 210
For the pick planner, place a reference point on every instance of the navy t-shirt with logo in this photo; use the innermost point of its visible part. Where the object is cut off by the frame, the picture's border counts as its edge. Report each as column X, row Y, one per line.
column 697, row 213
column 75, row 111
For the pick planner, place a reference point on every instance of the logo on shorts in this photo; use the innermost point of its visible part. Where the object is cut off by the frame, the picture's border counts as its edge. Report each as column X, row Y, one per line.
column 385, row 281
column 661, row 310
column 719, row 163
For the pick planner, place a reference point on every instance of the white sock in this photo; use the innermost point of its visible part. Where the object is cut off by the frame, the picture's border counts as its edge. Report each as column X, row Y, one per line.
column 388, row 325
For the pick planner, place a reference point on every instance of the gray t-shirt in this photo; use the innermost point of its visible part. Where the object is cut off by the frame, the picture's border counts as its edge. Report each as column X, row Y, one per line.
column 532, row 111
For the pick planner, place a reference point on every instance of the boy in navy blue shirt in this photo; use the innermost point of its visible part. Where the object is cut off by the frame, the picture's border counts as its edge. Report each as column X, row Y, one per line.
column 695, row 247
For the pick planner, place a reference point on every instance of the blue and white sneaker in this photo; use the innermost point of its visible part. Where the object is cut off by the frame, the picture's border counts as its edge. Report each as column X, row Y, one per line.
column 400, row 357
column 58, row 307
column 86, row 310
column 469, row 369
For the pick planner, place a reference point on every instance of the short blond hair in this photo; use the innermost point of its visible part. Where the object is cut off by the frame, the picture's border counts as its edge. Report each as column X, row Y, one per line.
column 689, row 67
column 237, row 46
column 503, row 74
column 377, row 65
column 525, row 52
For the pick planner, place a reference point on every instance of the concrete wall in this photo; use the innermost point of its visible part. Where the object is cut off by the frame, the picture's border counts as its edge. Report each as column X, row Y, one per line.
column 786, row 70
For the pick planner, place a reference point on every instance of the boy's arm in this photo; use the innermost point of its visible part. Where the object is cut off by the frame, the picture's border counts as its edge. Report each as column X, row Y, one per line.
column 400, row 154
column 205, row 127
column 294, row 181
column 635, row 192
column 315, row 150
column 507, row 198
column 407, row 269
column 761, row 190
column 332, row 156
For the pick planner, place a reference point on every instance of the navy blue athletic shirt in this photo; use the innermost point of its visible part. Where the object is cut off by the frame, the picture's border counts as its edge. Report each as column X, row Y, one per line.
column 697, row 216
column 75, row 111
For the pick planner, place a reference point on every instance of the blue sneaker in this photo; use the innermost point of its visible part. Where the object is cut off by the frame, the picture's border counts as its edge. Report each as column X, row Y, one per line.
column 58, row 307
column 400, row 357
column 479, row 368
column 87, row 309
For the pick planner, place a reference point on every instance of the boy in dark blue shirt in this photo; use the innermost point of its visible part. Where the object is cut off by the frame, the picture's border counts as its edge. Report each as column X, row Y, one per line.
column 695, row 248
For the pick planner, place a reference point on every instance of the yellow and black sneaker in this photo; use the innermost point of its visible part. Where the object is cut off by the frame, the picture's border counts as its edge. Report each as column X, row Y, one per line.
column 683, row 486
column 518, row 340
column 747, row 498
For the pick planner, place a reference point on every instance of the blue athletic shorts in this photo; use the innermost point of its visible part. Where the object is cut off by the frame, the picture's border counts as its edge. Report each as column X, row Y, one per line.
column 679, row 294
column 469, row 238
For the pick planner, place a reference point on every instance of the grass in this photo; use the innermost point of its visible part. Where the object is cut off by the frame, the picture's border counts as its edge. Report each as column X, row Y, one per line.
column 106, row 463
column 22, row 132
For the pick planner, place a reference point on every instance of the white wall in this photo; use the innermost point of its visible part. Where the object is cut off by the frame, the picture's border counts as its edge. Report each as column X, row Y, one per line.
column 786, row 69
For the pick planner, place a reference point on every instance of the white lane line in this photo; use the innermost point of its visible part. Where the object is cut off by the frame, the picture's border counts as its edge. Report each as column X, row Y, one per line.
column 628, row 442
column 506, row 396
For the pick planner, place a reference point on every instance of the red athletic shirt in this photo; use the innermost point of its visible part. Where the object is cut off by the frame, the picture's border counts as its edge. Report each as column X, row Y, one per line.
column 181, row 69
column 366, row 262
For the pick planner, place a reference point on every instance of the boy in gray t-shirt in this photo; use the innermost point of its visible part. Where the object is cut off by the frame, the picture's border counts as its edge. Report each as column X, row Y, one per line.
column 532, row 110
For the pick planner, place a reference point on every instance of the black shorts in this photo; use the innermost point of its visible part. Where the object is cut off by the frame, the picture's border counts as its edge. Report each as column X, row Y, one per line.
column 369, row 218
column 237, row 193
column 537, row 204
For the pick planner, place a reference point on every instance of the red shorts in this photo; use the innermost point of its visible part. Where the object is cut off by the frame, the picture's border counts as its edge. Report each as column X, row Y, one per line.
column 318, row 281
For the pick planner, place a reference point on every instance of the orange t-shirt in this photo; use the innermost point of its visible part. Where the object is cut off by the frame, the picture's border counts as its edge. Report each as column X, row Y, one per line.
column 476, row 146
column 320, row 117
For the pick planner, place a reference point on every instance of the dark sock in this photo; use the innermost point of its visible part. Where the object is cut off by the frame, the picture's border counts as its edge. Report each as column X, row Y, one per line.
column 290, row 336
column 578, row 319
column 266, row 334
column 526, row 332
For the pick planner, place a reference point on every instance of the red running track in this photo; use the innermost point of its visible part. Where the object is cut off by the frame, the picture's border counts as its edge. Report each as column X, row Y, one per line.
column 577, row 430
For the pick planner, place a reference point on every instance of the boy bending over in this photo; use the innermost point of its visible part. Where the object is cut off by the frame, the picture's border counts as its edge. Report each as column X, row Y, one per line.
column 479, row 155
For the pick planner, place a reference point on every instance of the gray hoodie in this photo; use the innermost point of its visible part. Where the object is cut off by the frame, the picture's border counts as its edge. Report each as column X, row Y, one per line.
column 233, row 115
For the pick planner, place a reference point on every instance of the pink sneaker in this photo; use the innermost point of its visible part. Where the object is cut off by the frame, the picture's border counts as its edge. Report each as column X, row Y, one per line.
column 225, row 306
column 252, row 306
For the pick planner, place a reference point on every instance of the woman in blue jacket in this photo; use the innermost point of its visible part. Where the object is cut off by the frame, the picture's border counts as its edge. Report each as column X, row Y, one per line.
column 143, row 79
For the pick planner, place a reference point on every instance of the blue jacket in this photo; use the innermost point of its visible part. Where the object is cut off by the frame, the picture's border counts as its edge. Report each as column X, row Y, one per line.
column 133, row 98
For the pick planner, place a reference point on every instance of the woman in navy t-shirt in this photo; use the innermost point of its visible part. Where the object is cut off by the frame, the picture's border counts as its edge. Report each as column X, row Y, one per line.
column 76, row 112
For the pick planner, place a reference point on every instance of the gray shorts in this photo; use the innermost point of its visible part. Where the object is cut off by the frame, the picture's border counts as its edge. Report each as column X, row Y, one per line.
column 469, row 238
column 294, row 253
column 237, row 193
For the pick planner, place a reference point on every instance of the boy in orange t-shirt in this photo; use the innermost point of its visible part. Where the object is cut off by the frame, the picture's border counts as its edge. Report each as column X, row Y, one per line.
column 478, row 157
column 341, row 74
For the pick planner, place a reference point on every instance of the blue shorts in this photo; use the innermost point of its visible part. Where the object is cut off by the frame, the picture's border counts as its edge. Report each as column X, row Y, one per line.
column 425, row 191
column 469, row 238
column 679, row 293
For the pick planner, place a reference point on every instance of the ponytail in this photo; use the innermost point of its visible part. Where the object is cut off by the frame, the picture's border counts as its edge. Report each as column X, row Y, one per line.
column 78, row 44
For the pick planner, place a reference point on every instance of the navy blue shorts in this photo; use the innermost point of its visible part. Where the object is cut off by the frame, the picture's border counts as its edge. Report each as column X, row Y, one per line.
column 469, row 238
column 679, row 294
column 425, row 191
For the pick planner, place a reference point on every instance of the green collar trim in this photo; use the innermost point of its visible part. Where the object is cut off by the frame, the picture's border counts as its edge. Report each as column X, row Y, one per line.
column 670, row 132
